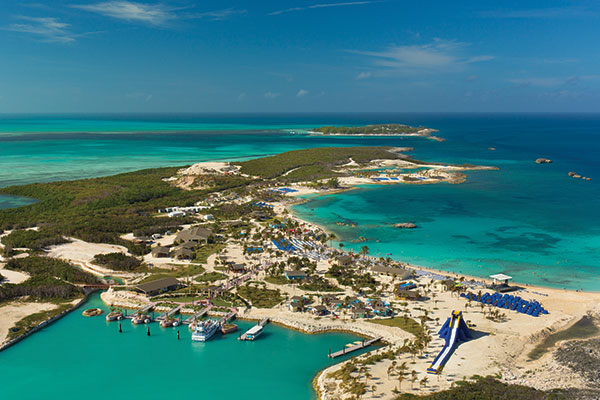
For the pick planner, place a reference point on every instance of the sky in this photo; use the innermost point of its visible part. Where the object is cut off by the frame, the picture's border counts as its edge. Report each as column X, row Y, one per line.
column 80, row 56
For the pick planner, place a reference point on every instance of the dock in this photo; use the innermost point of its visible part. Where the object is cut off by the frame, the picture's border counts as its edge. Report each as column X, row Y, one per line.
column 262, row 324
column 364, row 344
column 196, row 316
column 226, row 318
column 144, row 310
column 170, row 313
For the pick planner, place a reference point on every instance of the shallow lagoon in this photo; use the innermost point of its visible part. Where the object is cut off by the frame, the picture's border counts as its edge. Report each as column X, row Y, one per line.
column 79, row 356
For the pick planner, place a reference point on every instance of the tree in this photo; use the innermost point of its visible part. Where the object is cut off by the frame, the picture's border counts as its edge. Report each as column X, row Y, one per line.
column 423, row 382
column 364, row 250
column 413, row 378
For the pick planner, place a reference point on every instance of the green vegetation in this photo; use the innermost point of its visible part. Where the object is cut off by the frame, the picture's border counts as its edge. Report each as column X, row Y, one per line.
column 382, row 129
column 582, row 329
column 312, row 163
column 402, row 322
column 117, row 261
column 210, row 277
column 50, row 279
column 260, row 297
column 100, row 210
column 207, row 250
column 318, row 284
column 277, row 279
column 488, row 388
column 35, row 240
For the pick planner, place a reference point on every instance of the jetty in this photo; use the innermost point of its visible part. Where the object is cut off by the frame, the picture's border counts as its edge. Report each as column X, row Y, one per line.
column 196, row 316
column 144, row 310
column 362, row 345
column 251, row 333
column 170, row 313
column 227, row 318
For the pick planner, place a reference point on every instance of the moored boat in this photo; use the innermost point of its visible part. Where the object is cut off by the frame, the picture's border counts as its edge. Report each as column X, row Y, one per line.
column 114, row 316
column 204, row 330
column 141, row 319
column 169, row 322
column 254, row 332
column 229, row 328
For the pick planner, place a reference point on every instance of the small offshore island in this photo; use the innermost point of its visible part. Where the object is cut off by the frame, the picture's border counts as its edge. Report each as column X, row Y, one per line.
column 216, row 240
column 379, row 130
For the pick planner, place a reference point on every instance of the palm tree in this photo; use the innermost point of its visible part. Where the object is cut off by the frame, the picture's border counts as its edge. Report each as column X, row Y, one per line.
column 364, row 250
column 423, row 382
column 413, row 378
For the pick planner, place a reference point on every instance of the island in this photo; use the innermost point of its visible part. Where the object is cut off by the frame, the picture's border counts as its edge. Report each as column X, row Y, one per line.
column 218, row 240
column 379, row 130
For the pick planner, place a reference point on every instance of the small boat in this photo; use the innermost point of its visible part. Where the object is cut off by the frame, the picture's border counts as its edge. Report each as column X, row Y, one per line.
column 141, row 319
column 169, row 322
column 91, row 312
column 229, row 328
column 205, row 330
column 114, row 316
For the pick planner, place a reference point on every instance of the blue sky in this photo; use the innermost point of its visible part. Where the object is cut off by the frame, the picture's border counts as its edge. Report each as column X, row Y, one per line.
column 305, row 56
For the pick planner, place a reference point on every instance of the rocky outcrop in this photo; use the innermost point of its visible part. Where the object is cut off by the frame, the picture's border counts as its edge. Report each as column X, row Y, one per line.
column 577, row 176
column 405, row 225
column 543, row 161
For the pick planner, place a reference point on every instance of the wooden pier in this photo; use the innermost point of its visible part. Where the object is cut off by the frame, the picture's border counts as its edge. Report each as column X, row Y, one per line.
column 344, row 351
column 196, row 316
column 169, row 314
column 226, row 318
column 143, row 310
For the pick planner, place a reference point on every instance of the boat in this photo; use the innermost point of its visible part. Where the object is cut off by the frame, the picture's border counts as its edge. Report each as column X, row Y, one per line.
column 254, row 332
column 114, row 316
column 91, row 312
column 141, row 319
column 205, row 330
column 169, row 322
column 229, row 328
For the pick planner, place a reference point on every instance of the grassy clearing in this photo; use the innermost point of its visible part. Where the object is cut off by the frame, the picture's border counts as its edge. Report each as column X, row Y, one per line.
column 260, row 297
column 210, row 277
column 205, row 251
column 404, row 323
column 277, row 280
column 582, row 329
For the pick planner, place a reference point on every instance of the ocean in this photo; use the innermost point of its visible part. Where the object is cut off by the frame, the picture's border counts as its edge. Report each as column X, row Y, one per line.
column 531, row 221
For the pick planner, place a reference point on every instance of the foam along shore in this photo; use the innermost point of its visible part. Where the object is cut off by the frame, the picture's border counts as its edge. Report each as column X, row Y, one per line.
column 500, row 346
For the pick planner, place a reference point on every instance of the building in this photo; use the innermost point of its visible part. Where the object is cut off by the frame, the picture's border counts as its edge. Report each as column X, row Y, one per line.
column 161, row 252
column 295, row 275
column 401, row 273
column 345, row 260
column 409, row 295
column 158, row 286
column 320, row 310
column 183, row 253
column 195, row 235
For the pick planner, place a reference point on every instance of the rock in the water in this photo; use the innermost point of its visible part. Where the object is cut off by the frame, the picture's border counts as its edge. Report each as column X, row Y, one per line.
column 543, row 161
column 405, row 225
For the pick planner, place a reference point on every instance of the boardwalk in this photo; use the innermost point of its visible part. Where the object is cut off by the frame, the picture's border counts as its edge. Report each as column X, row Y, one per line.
column 170, row 313
column 144, row 310
column 197, row 316
column 365, row 343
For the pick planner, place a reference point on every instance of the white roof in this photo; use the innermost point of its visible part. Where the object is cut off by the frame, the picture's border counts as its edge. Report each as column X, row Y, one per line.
column 254, row 330
column 501, row 277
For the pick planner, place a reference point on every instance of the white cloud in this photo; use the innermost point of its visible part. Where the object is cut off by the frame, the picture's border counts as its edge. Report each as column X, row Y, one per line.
column 323, row 5
column 438, row 55
column 153, row 14
column 49, row 29
column 271, row 95
column 219, row 15
column 301, row 93
column 364, row 75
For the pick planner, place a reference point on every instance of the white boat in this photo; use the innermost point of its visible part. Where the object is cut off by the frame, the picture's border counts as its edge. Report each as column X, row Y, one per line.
column 254, row 332
column 204, row 330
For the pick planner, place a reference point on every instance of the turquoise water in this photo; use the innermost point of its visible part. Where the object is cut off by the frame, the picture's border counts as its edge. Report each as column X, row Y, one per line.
column 531, row 221
column 88, row 357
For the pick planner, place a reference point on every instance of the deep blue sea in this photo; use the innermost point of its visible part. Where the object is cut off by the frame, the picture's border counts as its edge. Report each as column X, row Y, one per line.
column 529, row 220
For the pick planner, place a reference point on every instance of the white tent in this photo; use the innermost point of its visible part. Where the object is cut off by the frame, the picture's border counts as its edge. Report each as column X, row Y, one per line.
column 500, row 277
